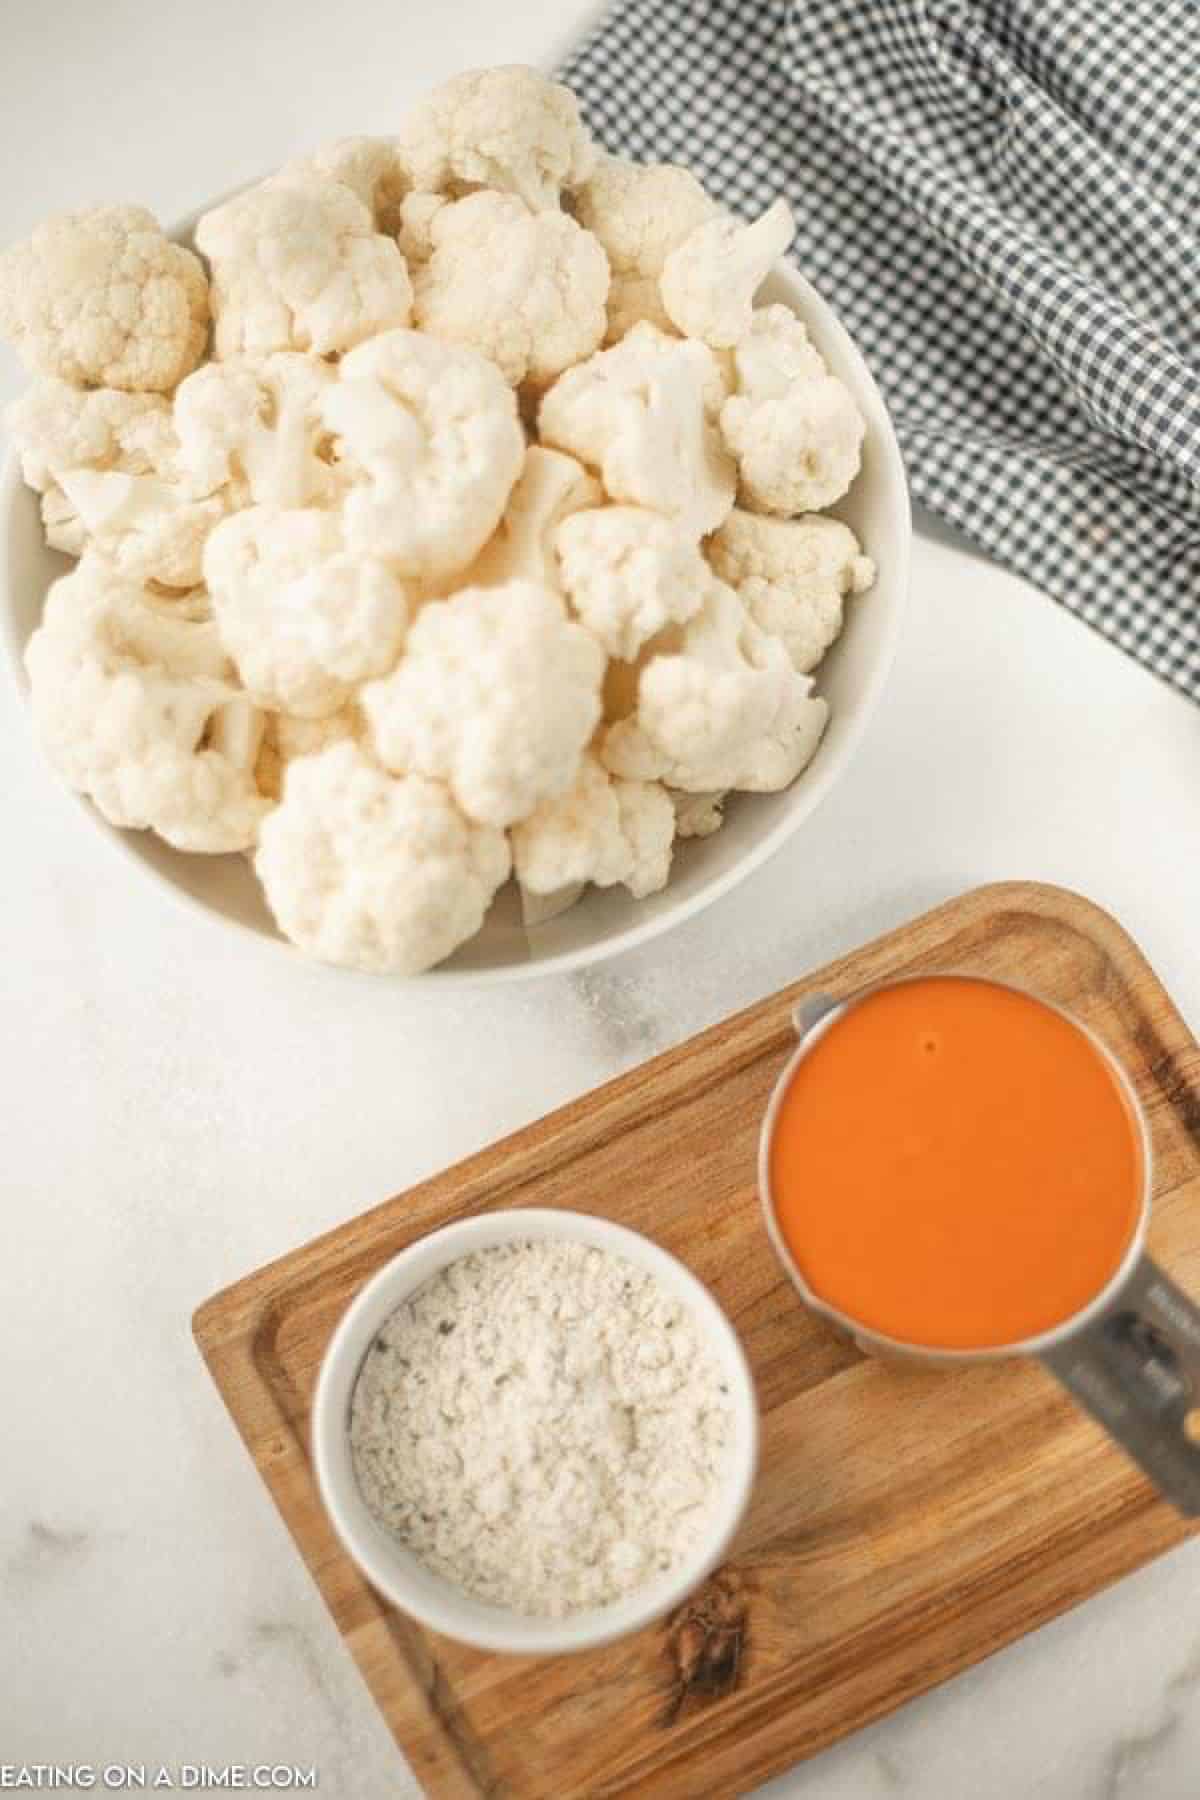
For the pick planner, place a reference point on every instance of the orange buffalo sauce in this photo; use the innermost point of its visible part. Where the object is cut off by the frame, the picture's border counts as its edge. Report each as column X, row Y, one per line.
column 955, row 1165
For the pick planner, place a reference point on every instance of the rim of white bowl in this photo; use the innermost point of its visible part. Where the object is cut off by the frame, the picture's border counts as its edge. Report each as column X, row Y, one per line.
column 396, row 1573
column 821, row 775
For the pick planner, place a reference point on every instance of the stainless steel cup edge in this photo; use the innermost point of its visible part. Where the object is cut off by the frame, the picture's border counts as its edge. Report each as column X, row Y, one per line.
column 1130, row 1358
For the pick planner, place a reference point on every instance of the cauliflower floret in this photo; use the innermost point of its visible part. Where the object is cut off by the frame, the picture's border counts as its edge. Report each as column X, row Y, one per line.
column 105, row 462
column 298, row 265
column 56, row 426
column 551, row 487
column 794, row 428
column 627, row 573
column 648, row 825
column 104, row 299
column 432, row 446
column 414, row 233
column 539, row 909
column 599, row 830
column 286, row 737
column 726, row 710
column 370, row 872
column 642, row 414
column 236, row 731
column 709, row 281
column 635, row 300
column 641, row 212
column 497, row 694
column 303, row 619
column 698, row 815
column 621, row 678
column 129, row 696
column 792, row 576
column 147, row 528
column 257, row 429
column 64, row 528
column 507, row 128
column 525, row 289
column 774, row 355
column 370, row 167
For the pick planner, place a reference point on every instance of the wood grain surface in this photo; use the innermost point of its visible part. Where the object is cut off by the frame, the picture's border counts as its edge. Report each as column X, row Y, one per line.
column 905, row 1523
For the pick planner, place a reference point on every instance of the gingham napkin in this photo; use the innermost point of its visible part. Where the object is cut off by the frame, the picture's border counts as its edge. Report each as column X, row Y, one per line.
column 1002, row 200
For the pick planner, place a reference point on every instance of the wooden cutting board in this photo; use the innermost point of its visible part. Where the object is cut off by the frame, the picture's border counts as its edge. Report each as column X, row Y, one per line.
column 905, row 1523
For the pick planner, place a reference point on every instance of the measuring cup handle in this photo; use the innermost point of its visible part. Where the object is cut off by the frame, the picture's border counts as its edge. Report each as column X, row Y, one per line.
column 1135, row 1368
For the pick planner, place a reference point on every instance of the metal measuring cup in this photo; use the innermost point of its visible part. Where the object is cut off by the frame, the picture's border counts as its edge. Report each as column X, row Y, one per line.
column 1130, row 1357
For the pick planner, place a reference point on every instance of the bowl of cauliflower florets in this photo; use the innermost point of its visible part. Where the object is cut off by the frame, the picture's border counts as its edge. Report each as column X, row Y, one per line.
column 465, row 551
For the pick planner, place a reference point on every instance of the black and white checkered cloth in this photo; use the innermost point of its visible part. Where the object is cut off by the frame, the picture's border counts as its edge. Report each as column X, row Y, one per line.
column 1001, row 198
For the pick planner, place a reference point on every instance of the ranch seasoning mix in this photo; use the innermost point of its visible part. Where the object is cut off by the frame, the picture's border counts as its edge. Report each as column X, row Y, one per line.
column 543, row 1425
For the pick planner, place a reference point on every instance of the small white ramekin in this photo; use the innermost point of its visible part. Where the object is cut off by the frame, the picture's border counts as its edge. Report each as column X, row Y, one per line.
column 404, row 1580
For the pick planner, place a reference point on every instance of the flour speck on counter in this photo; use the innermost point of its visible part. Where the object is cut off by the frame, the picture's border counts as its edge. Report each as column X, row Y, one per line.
column 544, row 1425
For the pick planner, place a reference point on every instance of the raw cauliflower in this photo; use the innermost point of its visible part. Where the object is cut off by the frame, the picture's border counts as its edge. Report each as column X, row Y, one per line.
column 469, row 546
column 648, row 827
column 775, row 354
column 698, row 815
column 792, row 576
column 508, row 128
column 432, row 446
column 286, row 738
column 104, row 299
column 106, row 464
column 256, row 429
column 551, row 488
column 640, row 212
column 414, row 232
column 642, row 414
column 635, row 300
column 304, row 620
column 600, row 830
column 627, row 573
column 709, row 281
column 148, row 528
column 370, row 167
column 725, row 710
column 65, row 530
column 128, row 694
column 298, row 265
column 370, row 872
column 56, row 426
column 525, row 289
column 794, row 428
column 497, row 694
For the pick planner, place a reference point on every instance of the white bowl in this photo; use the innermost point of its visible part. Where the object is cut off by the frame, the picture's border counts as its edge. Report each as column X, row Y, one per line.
column 606, row 920
column 404, row 1580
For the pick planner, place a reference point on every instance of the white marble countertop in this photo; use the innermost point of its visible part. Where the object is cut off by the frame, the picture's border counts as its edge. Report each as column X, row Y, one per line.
column 180, row 1105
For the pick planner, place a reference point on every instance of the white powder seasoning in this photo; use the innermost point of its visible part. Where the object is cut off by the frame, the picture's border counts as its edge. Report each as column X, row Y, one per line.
column 542, row 1424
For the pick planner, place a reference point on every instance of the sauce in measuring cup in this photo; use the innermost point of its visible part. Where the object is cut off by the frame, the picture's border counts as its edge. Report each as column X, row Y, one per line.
column 956, row 1165
column 952, row 1171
